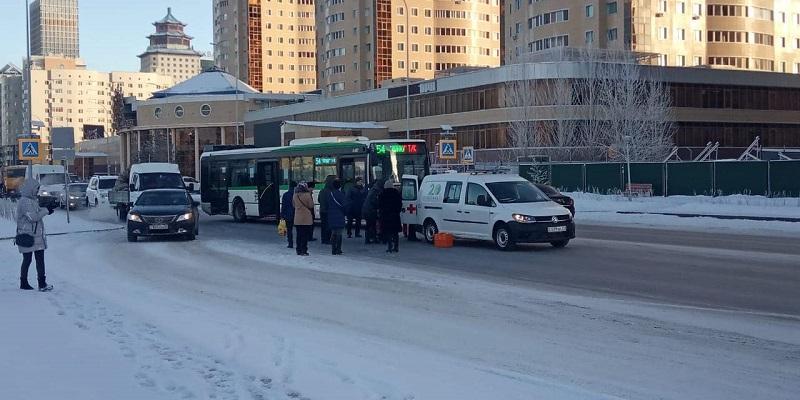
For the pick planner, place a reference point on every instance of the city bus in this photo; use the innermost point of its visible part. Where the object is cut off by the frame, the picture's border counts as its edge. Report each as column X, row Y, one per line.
column 248, row 183
column 13, row 176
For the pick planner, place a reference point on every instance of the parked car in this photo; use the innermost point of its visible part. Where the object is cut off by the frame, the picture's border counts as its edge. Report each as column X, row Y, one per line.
column 558, row 197
column 164, row 212
column 76, row 197
column 98, row 189
column 51, row 183
column 505, row 209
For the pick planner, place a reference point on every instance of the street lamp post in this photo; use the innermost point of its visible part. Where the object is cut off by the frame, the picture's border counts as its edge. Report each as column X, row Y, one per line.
column 627, row 140
column 29, row 105
column 408, row 72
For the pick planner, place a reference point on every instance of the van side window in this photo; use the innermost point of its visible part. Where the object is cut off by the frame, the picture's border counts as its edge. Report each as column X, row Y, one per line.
column 474, row 193
column 409, row 191
column 93, row 185
column 452, row 193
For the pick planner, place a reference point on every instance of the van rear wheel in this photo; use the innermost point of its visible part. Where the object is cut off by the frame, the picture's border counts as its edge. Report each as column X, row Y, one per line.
column 431, row 230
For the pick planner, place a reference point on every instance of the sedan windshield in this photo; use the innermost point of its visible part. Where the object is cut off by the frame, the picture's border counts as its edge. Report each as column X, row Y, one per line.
column 516, row 192
column 163, row 199
column 159, row 180
column 78, row 189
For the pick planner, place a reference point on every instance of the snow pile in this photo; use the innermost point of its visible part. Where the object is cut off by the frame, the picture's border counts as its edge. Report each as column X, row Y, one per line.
column 605, row 209
column 82, row 220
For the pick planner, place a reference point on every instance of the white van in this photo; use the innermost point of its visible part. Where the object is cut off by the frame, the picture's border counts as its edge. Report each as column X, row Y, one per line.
column 505, row 209
column 143, row 177
column 51, row 182
column 99, row 186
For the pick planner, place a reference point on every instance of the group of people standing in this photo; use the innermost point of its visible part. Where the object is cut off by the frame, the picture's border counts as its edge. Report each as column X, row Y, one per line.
column 380, row 207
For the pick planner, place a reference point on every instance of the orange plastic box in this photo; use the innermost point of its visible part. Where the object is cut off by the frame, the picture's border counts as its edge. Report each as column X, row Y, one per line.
column 443, row 240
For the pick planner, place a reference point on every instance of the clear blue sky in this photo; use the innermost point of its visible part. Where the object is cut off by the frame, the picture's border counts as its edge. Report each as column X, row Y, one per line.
column 113, row 32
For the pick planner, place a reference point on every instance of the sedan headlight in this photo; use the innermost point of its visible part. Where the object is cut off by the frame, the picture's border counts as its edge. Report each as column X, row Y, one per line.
column 185, row 217
column 44, row 194
column 134, row 218
column 523, row 219
column 74, row 197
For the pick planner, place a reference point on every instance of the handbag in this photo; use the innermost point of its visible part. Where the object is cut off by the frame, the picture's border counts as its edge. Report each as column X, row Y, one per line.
column 282, row 227
column 24, row 239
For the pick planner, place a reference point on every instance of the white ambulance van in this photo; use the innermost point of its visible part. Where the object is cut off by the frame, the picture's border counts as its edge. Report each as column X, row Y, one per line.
column 505, row 209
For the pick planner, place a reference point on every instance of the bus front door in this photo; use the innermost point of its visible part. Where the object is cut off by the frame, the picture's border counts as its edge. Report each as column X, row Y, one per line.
column 268, row 189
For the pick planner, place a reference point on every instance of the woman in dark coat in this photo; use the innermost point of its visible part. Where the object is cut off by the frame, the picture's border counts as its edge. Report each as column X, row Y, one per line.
column 337, row 207
column 391, row 204
column 30, row 221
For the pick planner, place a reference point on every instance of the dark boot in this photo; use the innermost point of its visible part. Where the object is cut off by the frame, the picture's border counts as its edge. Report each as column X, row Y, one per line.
column 24, row 285
column 43, row 286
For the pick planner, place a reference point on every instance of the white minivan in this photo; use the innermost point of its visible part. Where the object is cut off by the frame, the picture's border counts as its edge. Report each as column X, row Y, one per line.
column 99, row 186
column 505, row 209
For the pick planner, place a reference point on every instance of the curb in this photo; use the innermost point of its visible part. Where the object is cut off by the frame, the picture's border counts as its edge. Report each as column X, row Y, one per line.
column 729, row 217
column 70, row 233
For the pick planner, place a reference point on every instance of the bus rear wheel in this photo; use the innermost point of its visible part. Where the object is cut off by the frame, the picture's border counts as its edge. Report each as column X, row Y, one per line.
column 239, row 212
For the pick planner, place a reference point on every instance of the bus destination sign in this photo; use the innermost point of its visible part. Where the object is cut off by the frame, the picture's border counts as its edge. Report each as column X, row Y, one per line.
column 397, row 148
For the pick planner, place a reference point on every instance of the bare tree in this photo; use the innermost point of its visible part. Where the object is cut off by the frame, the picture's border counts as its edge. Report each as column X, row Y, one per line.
column 118, row 120
column 612, row 102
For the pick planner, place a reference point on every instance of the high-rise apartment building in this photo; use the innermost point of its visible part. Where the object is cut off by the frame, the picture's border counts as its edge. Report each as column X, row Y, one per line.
column 170, row 51
column 362, row 44
column 753, row 35
column 54, row 28
column 12, row 119
column 270, row 44
column 69, row 95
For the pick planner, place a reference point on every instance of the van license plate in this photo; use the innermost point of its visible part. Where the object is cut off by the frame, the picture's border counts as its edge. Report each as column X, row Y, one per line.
column 160, row 227
column 554, row 229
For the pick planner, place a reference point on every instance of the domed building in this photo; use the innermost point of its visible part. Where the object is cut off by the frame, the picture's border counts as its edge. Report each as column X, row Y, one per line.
column 177, row 124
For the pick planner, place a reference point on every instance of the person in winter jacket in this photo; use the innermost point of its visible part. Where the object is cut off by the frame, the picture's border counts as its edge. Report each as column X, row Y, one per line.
column 324, row 199
column 355, row 199
column 391, row 204
column 337, row 207
column 30, row 221
column 369, row 211
column 303, row 217
column 287, row 213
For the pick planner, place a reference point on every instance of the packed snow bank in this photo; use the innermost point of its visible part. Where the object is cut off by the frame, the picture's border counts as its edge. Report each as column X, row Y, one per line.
column 596, row 208
column 81, row 220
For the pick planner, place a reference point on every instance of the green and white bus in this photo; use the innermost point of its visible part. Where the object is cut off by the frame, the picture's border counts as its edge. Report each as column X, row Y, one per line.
column 248, row 183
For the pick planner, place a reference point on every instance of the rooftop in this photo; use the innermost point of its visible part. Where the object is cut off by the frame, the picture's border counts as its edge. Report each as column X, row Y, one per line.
column 169, row 19
column 213, row 82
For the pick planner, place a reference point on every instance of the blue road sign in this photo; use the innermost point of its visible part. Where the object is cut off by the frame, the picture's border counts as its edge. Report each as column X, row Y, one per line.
column 29, row 149
column 447, row 149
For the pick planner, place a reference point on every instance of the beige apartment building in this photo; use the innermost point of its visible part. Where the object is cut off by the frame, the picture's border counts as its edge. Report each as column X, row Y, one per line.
column 269, row 44
column 364, row 44
column 761, row 35
column 170, row 52
column 54, row 28
column 66, row 94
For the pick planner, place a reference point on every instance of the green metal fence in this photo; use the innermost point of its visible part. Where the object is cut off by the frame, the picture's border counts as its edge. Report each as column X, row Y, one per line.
column 712, row 178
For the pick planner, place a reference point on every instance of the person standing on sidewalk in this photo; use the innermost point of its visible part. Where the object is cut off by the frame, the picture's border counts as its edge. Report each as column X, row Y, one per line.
column 30, row 221
column 355, row 201
column 324, row 199
column 303, row 217
column 287, row 212
column 337, row 207
column 370, row 211
column 391, row 205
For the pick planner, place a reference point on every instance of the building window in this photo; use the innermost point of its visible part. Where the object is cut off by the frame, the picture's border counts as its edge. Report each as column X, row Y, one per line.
column 611, row 8
column 590, row 11
column 589, row 37
column 205, row 110
column 179, row 111
column 157, row 113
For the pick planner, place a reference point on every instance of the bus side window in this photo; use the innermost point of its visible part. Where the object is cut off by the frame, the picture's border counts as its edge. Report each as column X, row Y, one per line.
column 286, row 168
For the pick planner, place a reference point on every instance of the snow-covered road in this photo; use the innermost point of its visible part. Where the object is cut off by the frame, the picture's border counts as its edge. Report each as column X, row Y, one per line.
column 238, row 319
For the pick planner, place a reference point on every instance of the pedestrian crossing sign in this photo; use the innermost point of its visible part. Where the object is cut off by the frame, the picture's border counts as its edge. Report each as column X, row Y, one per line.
column 467, row 155
column 447, row 150
column 29, row 149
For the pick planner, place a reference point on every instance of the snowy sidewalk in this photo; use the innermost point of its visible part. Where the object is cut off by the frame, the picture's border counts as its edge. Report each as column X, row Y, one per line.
column 737, row 214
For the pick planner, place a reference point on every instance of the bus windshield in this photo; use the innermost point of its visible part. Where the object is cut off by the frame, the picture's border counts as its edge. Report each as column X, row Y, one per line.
column 393, row 160
column 15, row 172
